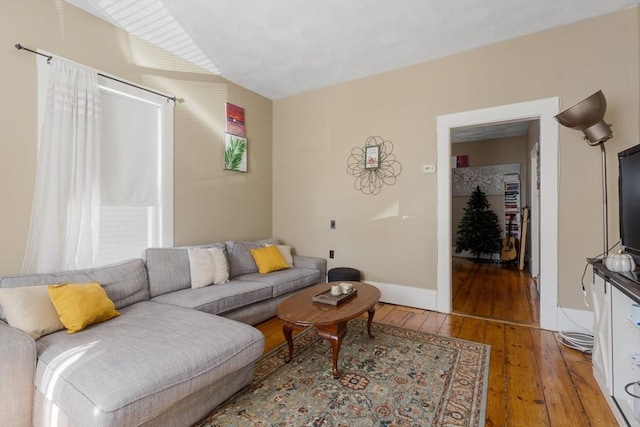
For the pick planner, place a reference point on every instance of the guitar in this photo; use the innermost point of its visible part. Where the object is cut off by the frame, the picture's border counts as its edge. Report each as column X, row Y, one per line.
column 523, row 244
column 509, row 250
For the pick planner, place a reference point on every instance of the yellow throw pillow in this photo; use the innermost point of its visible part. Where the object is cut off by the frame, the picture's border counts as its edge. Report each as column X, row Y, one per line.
column 81, row 304
column 268, row 259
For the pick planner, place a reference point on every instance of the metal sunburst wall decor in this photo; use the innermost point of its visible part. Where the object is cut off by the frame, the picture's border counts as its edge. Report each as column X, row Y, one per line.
column 373, row 165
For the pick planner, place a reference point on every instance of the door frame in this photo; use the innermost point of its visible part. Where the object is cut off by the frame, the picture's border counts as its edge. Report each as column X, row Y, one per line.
column 534, row 213
column 543, row 110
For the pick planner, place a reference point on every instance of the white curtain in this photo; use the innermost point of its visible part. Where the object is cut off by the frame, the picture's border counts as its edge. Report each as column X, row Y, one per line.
column 64, row 219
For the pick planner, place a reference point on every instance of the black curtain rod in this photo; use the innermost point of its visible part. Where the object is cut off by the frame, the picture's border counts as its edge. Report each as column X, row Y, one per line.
column 49, row 57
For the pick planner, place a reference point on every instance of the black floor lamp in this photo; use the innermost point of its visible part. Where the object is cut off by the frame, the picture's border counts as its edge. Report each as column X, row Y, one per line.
column 588, row 116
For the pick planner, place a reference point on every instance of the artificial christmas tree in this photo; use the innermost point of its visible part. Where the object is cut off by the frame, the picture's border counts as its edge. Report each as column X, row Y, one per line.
column 479, row 229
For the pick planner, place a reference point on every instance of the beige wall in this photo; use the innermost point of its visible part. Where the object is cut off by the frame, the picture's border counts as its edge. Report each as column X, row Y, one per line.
column 210, row 204
column 392, row 237
column 490, row 152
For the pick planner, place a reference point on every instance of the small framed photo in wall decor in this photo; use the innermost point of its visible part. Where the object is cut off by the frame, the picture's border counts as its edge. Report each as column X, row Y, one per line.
column 372, row 157
column 235, row 153
column 235, row 120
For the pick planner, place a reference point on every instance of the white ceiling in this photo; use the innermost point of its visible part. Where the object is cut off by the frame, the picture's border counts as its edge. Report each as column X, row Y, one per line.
column 279, row 48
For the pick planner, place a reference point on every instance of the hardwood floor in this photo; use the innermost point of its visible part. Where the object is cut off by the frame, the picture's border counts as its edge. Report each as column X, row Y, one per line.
column 495, row 292
column 533, row 380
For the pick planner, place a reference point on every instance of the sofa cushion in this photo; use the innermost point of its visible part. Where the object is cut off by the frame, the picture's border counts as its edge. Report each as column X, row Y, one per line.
column 125, row 282
column 134, row 367
column 81, row 304
column 239, row 255
column 29, row 308
column 220, row 298
column 169, row 269
column 285, row 281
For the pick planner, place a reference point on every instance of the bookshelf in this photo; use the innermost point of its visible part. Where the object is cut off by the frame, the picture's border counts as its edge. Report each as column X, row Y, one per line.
column 512, row 203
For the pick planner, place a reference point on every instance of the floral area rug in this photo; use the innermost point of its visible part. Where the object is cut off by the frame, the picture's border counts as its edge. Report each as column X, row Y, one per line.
column 399, row 378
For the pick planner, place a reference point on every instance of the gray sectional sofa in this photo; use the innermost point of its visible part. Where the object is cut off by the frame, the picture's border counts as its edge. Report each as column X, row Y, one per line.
column 172, row 356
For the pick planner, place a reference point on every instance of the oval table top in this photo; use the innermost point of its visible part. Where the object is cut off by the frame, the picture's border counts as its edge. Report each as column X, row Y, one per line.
column 301, row 310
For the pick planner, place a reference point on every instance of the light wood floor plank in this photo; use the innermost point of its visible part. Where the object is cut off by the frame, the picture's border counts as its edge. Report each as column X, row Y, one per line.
column 595, row 405
column 561, row 398
column 382, row 310
column 451, row 326
column 433, row 323
column 472, row 329
column 396, row 317
column 416, row 320
column 496, row 395
column 525, row 399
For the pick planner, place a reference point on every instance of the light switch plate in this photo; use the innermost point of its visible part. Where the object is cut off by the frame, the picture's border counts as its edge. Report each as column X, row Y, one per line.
column 429, row 169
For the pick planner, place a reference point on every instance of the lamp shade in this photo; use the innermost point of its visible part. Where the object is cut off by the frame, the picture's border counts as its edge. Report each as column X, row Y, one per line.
column 588, row 116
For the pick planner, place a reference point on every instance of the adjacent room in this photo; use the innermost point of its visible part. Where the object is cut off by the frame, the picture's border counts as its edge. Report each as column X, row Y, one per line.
column 309, row 212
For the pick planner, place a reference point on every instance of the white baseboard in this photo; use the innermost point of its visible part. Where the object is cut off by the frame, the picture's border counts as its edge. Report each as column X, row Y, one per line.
column 568, row 319
column 574, row 320
column 406, row 295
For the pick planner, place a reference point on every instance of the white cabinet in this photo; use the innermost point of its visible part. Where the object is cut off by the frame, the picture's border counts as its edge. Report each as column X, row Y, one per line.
column 616, row 340
column 602, row 354
column 626, row 343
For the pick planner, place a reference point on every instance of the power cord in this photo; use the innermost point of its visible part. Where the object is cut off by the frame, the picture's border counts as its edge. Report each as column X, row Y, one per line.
column 576, row 340
column 584, row 272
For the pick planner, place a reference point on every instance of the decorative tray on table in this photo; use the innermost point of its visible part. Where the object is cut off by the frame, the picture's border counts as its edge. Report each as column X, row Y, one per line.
column 326, row 297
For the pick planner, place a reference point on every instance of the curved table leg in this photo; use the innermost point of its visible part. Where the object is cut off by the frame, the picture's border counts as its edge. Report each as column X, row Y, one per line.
column 287, row 331
column 371, row 312
column 334, row 334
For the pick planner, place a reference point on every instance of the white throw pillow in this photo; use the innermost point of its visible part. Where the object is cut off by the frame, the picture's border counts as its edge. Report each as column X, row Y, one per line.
column 30, row 309
column 285, row 251
column 208, row 266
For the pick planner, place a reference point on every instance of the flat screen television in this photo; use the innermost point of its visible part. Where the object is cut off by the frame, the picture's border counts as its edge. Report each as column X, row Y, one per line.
column 629, row 193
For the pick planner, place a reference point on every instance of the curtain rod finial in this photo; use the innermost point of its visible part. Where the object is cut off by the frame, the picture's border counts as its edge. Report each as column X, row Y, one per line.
column 19, row 46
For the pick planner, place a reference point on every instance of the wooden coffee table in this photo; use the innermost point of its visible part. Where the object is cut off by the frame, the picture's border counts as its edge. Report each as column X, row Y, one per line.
column 299, row 311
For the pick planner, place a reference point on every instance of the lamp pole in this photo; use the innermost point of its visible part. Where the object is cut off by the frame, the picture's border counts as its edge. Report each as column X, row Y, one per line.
column 605, row 203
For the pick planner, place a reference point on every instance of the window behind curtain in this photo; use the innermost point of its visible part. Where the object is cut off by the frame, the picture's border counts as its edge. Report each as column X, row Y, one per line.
column 136, row 172
column 136, row 168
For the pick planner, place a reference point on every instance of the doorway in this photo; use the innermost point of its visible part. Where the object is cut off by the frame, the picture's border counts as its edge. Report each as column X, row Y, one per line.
column 496, row 157
column 544, row 111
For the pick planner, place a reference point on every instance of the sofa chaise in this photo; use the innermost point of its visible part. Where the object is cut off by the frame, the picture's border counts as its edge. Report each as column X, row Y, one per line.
column 172, row 354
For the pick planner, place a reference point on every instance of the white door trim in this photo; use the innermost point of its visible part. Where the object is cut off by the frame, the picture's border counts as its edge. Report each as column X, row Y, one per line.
column 543, row 110
column 534, row 214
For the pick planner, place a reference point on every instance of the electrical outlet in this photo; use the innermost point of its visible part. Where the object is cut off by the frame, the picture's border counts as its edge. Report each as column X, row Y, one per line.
column 333, row 224
column 331, row 253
